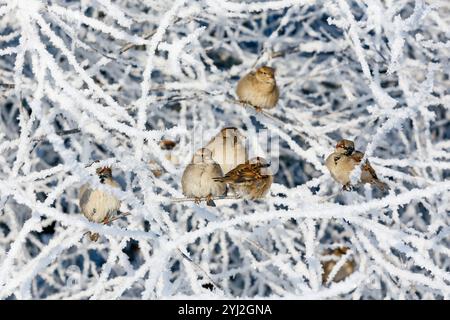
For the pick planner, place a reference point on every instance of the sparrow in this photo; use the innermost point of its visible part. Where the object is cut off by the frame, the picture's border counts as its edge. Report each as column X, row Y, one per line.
column 167, row 146
column 259, row 88
column 197, row 180
column 344, row 159
column 250, row 180
column 96, row 205
column 347, row 269
column 228, row 148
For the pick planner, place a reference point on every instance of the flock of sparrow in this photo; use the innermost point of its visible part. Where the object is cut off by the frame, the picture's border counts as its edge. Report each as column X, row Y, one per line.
column 204, row 178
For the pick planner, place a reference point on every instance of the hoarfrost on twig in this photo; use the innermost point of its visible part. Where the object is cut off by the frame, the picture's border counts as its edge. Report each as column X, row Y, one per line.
column 107, row 80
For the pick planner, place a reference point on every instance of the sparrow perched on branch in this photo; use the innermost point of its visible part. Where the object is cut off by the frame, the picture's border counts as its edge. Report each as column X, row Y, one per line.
column 197, row 180
column 167, row 146
column 228, row 148
column 347, row 269
column 259, row 88
column 96, row 205
column 344, row 159
column 250, row 180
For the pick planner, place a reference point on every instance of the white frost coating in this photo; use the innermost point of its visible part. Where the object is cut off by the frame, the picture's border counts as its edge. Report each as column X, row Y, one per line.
column 375, row 72
column 255, row 6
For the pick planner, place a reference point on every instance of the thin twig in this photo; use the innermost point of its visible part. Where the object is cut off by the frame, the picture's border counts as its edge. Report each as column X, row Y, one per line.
column 256, row 245
column 119, row 216
column 269, row 116
column 59, row 133
column 282, row 53
column 325, row 199
column 205, row 198
column 199, row 267
column 90, row 164
column 128, row 46
column 150, row 34
column 7, row 85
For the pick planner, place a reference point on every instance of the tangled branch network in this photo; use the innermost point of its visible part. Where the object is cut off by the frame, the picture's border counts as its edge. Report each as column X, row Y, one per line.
column 109, row 79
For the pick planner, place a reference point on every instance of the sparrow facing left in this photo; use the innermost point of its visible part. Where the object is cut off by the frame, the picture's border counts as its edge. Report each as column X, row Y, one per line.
column 96, row 205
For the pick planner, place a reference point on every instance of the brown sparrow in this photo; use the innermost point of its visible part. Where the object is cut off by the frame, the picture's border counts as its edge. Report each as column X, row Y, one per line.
column 197, row 180
column 344, row 159
column 259, row 88
column 250, row 180
column 96, row 205
column 228, row 148
column 167, row 146
column 347, row 269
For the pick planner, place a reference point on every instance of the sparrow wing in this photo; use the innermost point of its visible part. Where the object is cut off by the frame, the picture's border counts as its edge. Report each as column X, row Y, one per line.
column 247, row 172
column 357, row 157
column 231, row 175
column 369, row 168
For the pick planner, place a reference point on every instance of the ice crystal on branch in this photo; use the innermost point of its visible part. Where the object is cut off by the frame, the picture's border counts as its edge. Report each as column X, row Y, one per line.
column 109, row 79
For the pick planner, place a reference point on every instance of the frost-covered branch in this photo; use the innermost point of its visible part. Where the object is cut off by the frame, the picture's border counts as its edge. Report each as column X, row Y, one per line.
column 88, row 84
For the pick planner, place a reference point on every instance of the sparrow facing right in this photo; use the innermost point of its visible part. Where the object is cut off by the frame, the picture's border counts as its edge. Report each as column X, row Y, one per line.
column 344, row 159
column 250, row 180
column 197, row 180
column 259, row 88
column 96, row 205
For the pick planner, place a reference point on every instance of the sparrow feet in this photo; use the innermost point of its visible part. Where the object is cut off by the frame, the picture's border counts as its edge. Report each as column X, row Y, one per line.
column 107, row 220
column 92, row 236
column 348, row 187
column 209, row 201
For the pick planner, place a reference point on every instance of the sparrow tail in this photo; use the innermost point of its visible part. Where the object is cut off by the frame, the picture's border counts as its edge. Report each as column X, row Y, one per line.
column 210, row 203
column 381, row 185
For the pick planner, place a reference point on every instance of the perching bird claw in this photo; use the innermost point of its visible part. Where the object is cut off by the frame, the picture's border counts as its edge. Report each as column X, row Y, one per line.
column 209, row 201
column 348, row 187
column 95, row 204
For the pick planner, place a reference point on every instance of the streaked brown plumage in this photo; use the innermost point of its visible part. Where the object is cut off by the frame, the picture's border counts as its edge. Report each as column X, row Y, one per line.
column 259, row 88
column 342, row 162
column 250, row 180
column 347, row 269
column 96, row 205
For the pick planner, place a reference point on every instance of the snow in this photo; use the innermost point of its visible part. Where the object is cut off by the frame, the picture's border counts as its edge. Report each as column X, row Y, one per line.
column 108, row 79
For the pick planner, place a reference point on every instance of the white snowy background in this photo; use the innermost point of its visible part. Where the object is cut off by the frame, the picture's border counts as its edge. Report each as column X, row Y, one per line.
column 123, row 74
